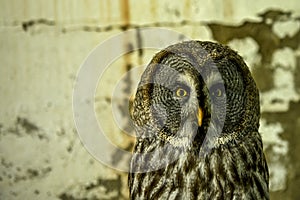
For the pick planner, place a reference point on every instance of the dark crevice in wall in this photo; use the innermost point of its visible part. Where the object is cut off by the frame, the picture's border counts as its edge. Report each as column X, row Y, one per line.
column 27, row 125
column 275, row 15
column 21, row 127
column 32, row 174
column 110, row 186
column 139, row 41
column 29, row 24
column 22, row 173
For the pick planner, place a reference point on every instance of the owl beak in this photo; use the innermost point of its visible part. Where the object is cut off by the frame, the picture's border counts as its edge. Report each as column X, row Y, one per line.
column 199, row 116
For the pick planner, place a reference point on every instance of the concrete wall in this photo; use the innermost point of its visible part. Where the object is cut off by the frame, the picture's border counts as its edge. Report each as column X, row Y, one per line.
column 44, row 43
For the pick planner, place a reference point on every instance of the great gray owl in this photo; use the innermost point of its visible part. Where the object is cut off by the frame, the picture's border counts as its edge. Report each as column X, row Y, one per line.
column 196, row 116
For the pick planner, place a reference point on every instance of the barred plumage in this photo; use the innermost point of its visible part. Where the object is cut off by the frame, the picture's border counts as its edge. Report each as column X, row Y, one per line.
column 178, row 156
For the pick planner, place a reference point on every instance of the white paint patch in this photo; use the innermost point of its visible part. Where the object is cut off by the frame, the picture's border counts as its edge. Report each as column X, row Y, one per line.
column 284, row 58
column 270, row 135
column 278, row 98
column 286, row 28
column 279, row 149
column 248, row 49
column 278, row 176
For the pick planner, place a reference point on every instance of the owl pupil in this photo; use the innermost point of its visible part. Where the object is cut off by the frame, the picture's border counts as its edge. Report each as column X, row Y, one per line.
column 181, row 92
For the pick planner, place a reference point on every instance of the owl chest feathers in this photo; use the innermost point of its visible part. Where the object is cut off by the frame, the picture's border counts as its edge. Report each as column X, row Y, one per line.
column 229, row 171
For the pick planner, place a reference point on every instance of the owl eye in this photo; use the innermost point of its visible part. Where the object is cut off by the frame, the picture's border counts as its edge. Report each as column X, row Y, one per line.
column 180, row 92
column 217, row 90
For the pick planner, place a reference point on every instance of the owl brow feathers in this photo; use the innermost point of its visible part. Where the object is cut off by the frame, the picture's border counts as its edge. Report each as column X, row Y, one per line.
column 202, row 54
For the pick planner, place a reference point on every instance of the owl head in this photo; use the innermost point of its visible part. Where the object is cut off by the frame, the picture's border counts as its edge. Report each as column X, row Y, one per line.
column 195, row 95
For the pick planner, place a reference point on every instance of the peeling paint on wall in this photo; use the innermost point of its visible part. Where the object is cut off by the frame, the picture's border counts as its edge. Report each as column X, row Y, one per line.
column 278, row 150
column 41, row 155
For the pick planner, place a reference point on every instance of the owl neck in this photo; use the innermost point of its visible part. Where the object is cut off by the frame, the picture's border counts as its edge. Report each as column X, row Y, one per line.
column 232, row 170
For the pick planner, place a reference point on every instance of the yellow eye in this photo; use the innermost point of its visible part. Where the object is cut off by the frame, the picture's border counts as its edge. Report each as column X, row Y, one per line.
column 218, row 93
column 181, row 92
column 217, row 90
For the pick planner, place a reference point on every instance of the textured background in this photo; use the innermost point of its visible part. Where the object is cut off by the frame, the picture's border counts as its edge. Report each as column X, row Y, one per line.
column 43, row 43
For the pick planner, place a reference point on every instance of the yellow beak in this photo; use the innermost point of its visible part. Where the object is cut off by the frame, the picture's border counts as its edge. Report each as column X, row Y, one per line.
column 200, row 116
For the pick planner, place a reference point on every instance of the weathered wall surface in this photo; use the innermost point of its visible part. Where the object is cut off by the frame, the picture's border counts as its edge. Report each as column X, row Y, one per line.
column 43, row 44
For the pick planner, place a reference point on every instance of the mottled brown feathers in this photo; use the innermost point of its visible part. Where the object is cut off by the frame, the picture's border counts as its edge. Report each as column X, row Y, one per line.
column 174, row 157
